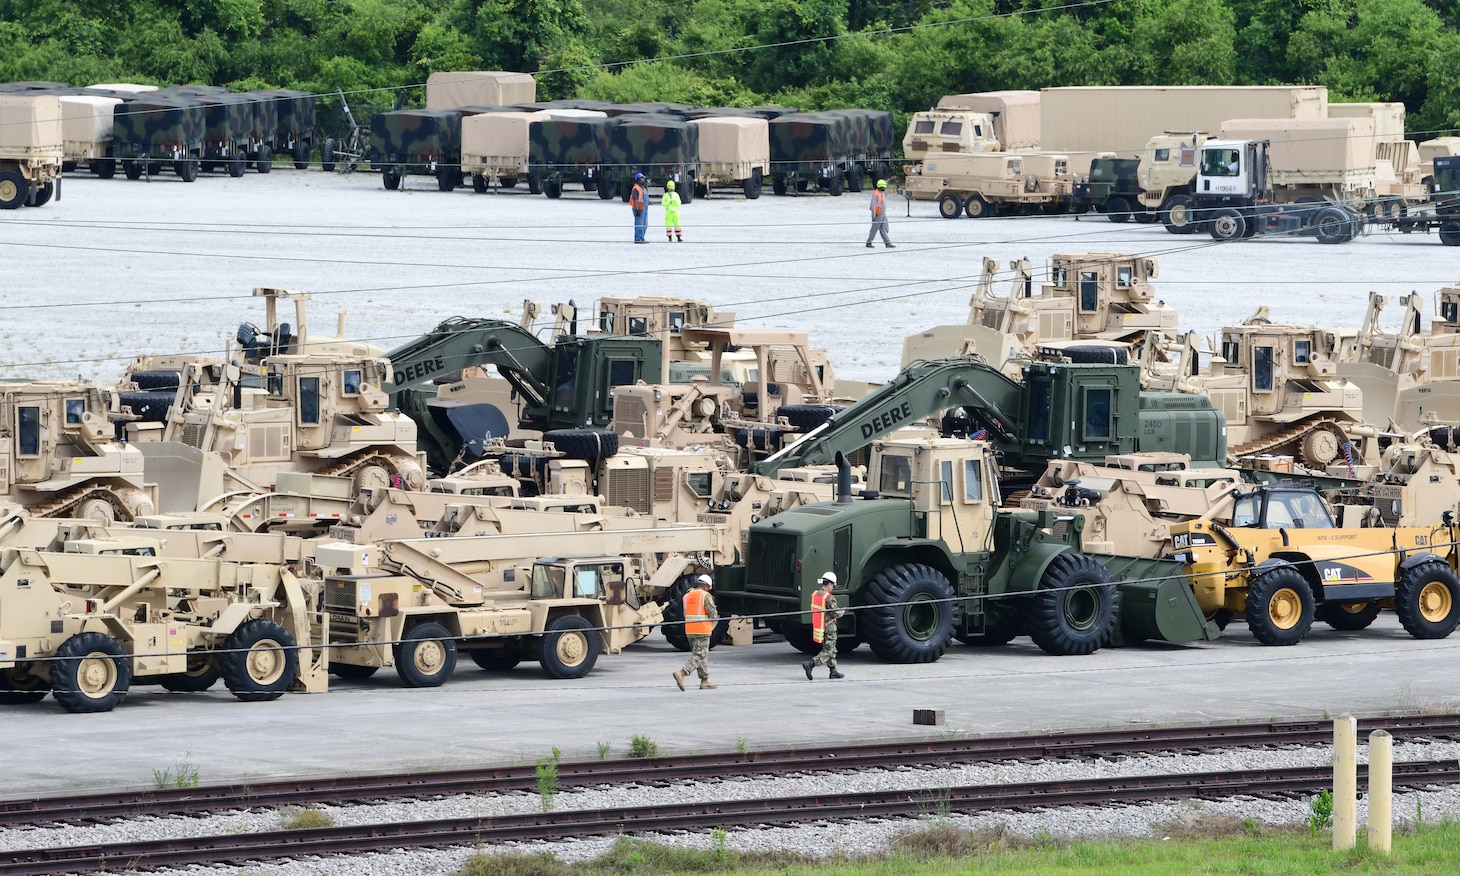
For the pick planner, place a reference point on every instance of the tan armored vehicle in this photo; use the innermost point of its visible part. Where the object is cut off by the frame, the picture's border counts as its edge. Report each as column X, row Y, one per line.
column 1429, row 150
column 938, row 132
column 1015, row 114
column 1410, row 377
column 1166, row 174
column 31, row 150
column 987, row 184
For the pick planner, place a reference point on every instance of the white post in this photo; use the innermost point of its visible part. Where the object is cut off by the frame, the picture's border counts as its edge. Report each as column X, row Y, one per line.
column 1381, row 790
column 1345, row 782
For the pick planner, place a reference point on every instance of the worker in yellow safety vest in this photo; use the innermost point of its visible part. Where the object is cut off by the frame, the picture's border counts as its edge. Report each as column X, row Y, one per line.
column 825, row 612
column 700, row 615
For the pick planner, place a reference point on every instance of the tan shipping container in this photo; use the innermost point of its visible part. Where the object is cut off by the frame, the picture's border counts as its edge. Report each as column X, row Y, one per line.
column 1121, row 119
column 1016, row 115
column 30, row 126
column 454, row 90
column 1388, row 117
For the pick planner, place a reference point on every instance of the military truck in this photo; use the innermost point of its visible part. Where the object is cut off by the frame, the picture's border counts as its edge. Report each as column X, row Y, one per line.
column 734, row 152
column 1015, row 115
column 294, row 123
column 417, row 142
column 151, row 130
column 569, row 148
column 1444, row 214
column 930, row 556
column 936, row 132
column 1166, row 177
column 494, row 148
column 1112, row 189
column 661, row 147
column 31, row 150
column 86, row 132
column 985, row 185
column 811, row 149
column 1429, row 150
column 231, row 133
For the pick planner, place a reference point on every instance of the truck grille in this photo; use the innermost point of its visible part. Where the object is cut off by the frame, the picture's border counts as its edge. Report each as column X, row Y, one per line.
column 630, row 488
column 772, row 566
column 631, row 415
column 339, row 596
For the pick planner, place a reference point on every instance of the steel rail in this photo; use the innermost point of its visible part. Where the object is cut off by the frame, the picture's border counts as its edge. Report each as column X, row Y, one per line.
column 241, row 848
column 345, row 789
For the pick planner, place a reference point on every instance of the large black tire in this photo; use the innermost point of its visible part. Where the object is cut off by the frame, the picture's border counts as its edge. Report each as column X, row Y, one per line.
column 90, row 673
column 265, row 160
column 1096, row 354
column 353, row 672
column 1178, row 214
column 569, row 648
column 778, row 185
column 154, row 168
column 18, row 687
column 426, row 656
column 1001, row 632
column 1450, row 233
column 14, row 190
column 1279, row 607
column 753, row 186
column 42, row 194
column 507, row 182
column 856, row 178
column 259, row 661
column 479, row 184
column 133, row 169
column 976, row 207
column 300, row 156
column 495, row 660
column 586, row 444
column 1143, row 217
column 950, row 207
column 552, row 188
column 1332, row 225
column 105, row 168
column 236, row 166
column 1348, row 616
column 803, row 185
column 1427, row 600
column 799, row 637
column 186, row 169
column 390, row 178
column 534, row 184
column 806, row 417
column 836, row 183
column 1075, row 610
column 1228, row 223
column 327, row 155
column 447, row 178
column 1117, row 209
column 673, row 624
column 202, row 674
column 907, row 614
column 149, row 406
column 607, row 188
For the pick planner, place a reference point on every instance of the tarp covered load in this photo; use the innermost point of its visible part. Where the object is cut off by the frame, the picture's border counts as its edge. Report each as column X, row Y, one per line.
column 227, row 118
column 532, row 107
column 125, row 87
column 295, row 110
column 157, row 124
column 802, row 142
column 1310, row 146
column 30, row 125
column 734, row 141
column 655, row 108
column 86, row 119
column 493, row 140
column 454, row 90
column 658, row 146
column 569, row 142
column 416, row 136
column 760, row 112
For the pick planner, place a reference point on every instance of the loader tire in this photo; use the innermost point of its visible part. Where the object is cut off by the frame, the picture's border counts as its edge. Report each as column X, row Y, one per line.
column 907, row 614
column 18, row 687
column 259, row 661
column 90, row 673
column 1001, row 632
column 569, row 648
column 426, row 656
column 201, row 675
column 1348, row 616
column 806, row 417
column 1427, row 600
column 585, row 444
column 1075, row 610
column 1279, row 607
column 494, row 660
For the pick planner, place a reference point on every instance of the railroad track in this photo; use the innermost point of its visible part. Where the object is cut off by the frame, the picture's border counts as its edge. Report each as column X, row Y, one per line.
column 237, row 849
column 494, row 780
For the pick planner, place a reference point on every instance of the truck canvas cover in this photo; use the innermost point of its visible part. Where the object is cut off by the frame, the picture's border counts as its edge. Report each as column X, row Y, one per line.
column 159, row 122
column 30, row 123
column 556, row 142
column 87, row 118
column 416, row 134
column 654, row 142
column 454, row 90
column 808, row 138
column 734, row 140
column 496, row 137
column 293, row 110
column 1310, row 146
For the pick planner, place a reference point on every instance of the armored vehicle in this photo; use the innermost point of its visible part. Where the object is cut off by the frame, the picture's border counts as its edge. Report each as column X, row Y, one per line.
column 417, row 142
column 1409, row 376
column 1015, row 114
column 31, row 150
column 937, row 132
column 986, row 184
column 569, row 149
column 733, row 152
column 153, row 129
column 661, row 147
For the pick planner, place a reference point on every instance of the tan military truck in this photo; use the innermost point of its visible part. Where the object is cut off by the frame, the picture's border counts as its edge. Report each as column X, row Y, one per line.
column 939, row 132
column 987, row 184
column 734, row 153
column 462, row 89
column 31, row 150
column 1166, row 176
column 86, row 132
column 1399, row 179
column 494, row 148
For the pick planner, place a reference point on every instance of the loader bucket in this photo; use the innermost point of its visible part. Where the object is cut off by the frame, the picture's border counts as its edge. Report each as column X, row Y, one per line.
column 1163, row 610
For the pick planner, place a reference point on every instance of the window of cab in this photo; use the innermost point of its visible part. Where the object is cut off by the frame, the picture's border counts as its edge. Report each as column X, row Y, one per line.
column 895, row 478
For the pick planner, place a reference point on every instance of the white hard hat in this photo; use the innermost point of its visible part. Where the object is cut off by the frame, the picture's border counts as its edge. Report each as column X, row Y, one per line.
column 827, row 577
column 704, row 580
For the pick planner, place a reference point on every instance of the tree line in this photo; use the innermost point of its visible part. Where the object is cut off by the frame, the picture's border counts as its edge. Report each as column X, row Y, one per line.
column 884, row 54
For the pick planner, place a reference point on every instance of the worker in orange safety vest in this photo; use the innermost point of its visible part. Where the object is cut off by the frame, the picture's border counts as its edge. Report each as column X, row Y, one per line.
column 700, row 615
column 825, row 612
column 879, row 215
column 639, row 202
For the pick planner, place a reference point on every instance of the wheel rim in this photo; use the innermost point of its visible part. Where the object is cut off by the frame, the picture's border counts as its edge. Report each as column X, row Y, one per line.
column 974, row 207
column 1179, row 216
column 8, row 190
column 1285, row 608
column 1226, row 226
column 571, row 648
column 921, row 617
column 265, row 662
column 1354, row 608
column 97, row 675
column 1082, row 608
column 1435, row 602
column 429, row 657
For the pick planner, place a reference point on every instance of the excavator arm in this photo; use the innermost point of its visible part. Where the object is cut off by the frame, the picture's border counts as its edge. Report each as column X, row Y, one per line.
column 920, row 390
column 460, row 342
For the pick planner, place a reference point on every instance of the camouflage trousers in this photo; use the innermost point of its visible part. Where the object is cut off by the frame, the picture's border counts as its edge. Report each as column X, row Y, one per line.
column 699, row 656
column 827, row 657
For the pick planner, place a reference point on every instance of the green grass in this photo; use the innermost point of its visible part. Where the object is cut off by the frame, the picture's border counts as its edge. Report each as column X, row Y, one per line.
column 1211, row 845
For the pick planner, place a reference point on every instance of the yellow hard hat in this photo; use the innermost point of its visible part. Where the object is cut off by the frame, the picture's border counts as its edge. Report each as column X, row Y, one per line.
column 669, row 186
column 881, row 183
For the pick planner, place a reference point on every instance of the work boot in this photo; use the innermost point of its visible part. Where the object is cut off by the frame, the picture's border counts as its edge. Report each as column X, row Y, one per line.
column 705, row 684
column 678, row 238
column 807, row 666
column 835, row 674
column 892, row 246
column 870, row 246
column 679, row 678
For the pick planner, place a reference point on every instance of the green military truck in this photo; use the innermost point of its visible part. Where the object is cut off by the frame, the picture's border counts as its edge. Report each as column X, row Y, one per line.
column 152, row 130
column 1113, row 190
column 567, row 149
column 417, row 142
column 662, row 147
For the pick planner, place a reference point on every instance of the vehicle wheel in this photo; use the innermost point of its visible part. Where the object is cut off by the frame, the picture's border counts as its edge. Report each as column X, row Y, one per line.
column 236, row 166
column 208, row 166
column 18, row 687
column 42, row 194
column 14, row 190
column 778, row 185
column 97, row 509
column 1321, row 446
column 1227, row 224
column 753, row 186
column 552, row 188
column 534, row 184
column 446, row 179
column 1331, row 224
column 607, row 188
column 90, row 673
column 201, row 675
column 1117, row 209
column 133, row 169
column 494, row 660
column 105, row 168
column 1143, row 217
column 673, row 625
column 836, row 183
column 265, row 160
column 799, row 637
column 1450, row 233
column 300, row 156
column 258, row 661
column 1178, row 214
column 1096, row 354
column 686, row 190
column 909, row 614
column 586, row 444
column 976, row 207
column 856, row 179
column 352, row 672
column 1001, row 632
column 949, row 207
column 1074, row 611
column 426, row 657
column 479, row 184
column 154, row 168
column 507, row 182
column 1427, row 600
column 702, row 190
column 327, row 155
column 1279, row 607
column 390, row 178
column 806, row 417
column 186, row 169
column 803, row 185
column 1348, row 616
column 569, row 648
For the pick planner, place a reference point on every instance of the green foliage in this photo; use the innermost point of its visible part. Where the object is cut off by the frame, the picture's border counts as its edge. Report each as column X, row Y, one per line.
column 547, row 780
column 183, row 774
column 603, row 748
column 642, row 746
column 1320, row 815
column 304, row 819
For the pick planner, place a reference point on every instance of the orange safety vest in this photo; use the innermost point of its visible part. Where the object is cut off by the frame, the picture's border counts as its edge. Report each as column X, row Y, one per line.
column 696, row 622
column 818, row 615
column 879, row 200
column 637, row 197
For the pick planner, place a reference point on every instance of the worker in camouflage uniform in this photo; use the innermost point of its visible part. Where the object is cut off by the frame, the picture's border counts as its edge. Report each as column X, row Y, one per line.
column 825, row 612
column 670, row 203
column 700, row 615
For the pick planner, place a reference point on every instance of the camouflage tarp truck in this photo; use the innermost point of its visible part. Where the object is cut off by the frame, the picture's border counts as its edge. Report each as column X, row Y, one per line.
column 294, row 119
column 453, row 90
column 152, row 129
column 661, row 147
column 86, row 132
column 30, row 149
column 494, row 147
column 1112, row 189
column 874, row 137
column 653, row 108
column 809, row 148
column 420, row 142
column 734, row 151
column 228, row 126
column 568, row 148
column 983, row 185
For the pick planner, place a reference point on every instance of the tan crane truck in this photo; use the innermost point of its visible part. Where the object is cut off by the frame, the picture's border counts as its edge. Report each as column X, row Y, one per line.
column 85, row 623
column 31, row 150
